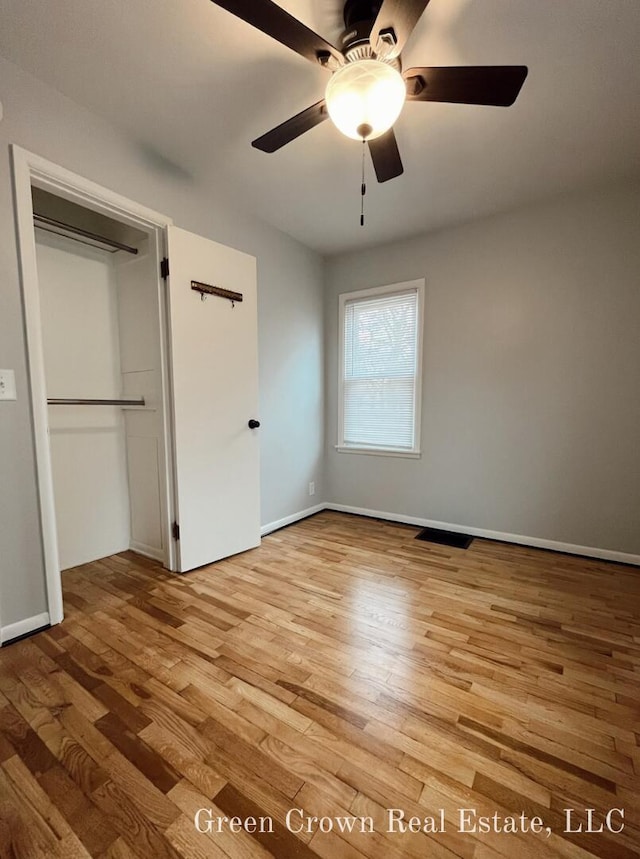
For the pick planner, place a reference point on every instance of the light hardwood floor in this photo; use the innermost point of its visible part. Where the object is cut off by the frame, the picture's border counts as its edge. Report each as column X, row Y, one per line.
column 343, row 668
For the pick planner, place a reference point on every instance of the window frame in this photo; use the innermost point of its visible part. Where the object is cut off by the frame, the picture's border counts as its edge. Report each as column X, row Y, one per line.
column 390, row 289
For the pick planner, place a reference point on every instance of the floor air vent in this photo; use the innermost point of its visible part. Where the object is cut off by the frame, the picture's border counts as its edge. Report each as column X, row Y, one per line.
column 445, row 538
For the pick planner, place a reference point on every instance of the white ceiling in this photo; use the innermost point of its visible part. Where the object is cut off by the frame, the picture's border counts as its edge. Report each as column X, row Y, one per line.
column 193, row 85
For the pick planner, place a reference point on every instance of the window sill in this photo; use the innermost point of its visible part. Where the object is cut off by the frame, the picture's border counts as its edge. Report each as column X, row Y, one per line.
column 379, row 451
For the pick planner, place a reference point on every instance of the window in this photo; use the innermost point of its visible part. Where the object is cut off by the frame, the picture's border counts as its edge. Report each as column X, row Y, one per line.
column 380, row 362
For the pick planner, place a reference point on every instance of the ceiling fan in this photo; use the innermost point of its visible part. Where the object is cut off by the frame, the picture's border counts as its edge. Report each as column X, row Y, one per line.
column 368, row 86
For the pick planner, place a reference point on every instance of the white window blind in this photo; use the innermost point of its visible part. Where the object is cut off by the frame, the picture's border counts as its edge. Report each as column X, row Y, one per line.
column 380, row 369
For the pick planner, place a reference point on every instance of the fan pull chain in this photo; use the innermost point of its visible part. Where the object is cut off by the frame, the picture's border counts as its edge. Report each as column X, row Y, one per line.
column 363, row 188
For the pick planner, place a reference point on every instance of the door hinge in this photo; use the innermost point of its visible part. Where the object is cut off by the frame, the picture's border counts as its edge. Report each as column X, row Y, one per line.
column 175, row 531
column 164, row 268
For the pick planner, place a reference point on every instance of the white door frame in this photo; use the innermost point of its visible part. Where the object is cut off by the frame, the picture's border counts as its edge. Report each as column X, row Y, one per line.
column 32, row 170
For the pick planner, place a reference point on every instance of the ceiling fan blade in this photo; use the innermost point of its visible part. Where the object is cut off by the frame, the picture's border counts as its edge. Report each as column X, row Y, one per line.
column 283, row 27
column 497, row 85
column 401, row 16
column 386, row 157
column 292, row 128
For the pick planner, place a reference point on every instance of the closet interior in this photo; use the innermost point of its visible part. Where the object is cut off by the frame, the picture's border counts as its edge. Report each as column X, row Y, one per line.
column 101, row 333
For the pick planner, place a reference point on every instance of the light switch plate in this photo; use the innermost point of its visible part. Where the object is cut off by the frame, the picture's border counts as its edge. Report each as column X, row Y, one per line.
column 7, row 385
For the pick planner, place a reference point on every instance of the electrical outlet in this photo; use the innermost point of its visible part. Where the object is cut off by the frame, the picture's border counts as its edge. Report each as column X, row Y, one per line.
column 312, row 488
column 7, row 385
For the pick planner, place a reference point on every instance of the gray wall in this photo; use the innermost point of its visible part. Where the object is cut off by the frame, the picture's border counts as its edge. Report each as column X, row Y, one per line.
column 531, row 403
column 290, row 279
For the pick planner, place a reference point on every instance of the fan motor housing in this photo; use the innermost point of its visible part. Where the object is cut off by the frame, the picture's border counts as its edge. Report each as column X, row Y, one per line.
column 359, row 18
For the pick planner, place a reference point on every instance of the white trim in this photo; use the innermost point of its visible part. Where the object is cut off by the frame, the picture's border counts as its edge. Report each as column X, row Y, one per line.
column 380, row 451
column 289, row 520
column 29, row 169
column 533, row 542
column 393, row 288
column 63, row 183
column 35, row 366
column 147, row 551
column 23, row 627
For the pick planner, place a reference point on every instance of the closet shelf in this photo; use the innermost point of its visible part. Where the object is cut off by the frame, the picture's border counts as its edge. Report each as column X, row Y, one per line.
column 79, row 402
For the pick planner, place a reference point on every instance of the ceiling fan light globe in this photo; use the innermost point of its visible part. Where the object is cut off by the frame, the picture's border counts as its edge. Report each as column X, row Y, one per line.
column 365, row 94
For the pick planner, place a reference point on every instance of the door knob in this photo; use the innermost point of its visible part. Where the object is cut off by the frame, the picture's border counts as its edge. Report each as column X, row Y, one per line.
column 254, row 424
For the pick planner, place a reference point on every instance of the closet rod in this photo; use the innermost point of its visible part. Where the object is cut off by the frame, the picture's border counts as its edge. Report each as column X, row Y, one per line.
column 43, row 221
column 71, row 402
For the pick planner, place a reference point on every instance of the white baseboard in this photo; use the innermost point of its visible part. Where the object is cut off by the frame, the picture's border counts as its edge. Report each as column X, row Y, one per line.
column 23, row 627
column 147, row 551
column 289, row 520
column 534, row 542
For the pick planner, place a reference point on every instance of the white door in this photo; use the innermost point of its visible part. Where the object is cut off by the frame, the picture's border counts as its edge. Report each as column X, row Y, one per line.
column 214, row 359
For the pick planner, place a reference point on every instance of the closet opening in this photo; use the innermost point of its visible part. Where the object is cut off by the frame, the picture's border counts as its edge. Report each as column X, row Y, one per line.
column 102, row 327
